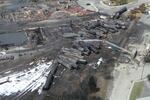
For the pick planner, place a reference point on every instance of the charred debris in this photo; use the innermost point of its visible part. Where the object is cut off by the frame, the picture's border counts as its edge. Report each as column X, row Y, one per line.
column 89, row 38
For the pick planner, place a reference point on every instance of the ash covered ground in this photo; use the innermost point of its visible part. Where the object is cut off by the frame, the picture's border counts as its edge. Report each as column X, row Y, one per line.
column 68, row 52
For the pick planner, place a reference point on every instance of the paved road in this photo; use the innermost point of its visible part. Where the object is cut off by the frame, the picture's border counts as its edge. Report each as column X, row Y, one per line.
column 129, row 73
column 123, row 84
column 97, row 5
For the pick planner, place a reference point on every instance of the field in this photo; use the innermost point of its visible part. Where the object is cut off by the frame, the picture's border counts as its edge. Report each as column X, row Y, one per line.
column 137, row 88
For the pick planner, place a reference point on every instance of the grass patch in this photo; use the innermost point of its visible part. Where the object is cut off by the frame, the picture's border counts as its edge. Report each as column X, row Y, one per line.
column 137, row 88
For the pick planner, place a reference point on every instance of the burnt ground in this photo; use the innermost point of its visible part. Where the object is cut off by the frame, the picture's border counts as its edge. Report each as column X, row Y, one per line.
column 85, row 83
column 78, row 85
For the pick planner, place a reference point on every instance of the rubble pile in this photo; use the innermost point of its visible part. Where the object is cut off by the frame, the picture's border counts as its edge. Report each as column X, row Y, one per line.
column 87, row 47
column 82, row 40
column 35, row 36
column 26, row 13
column 76, row 10
column 147, row 58
column 89, row 39
column 70, row 58
column 101, row 28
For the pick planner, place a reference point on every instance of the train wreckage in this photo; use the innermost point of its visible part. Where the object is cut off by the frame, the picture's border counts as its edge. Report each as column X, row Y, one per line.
column 71, row 43
column 90, row 40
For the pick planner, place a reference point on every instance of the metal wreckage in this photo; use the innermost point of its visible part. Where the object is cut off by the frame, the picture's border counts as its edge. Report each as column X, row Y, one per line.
column 91, row 37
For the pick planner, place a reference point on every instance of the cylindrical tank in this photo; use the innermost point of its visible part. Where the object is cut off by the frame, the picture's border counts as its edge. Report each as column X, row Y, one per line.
column 122, row 10
column 119, row 13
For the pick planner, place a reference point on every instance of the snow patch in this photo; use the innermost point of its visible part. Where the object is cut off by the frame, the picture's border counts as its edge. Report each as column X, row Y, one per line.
column 100, row 60
column 27, row 80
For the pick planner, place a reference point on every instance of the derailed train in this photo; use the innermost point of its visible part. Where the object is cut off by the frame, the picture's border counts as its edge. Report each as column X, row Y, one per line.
column 72, row 57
